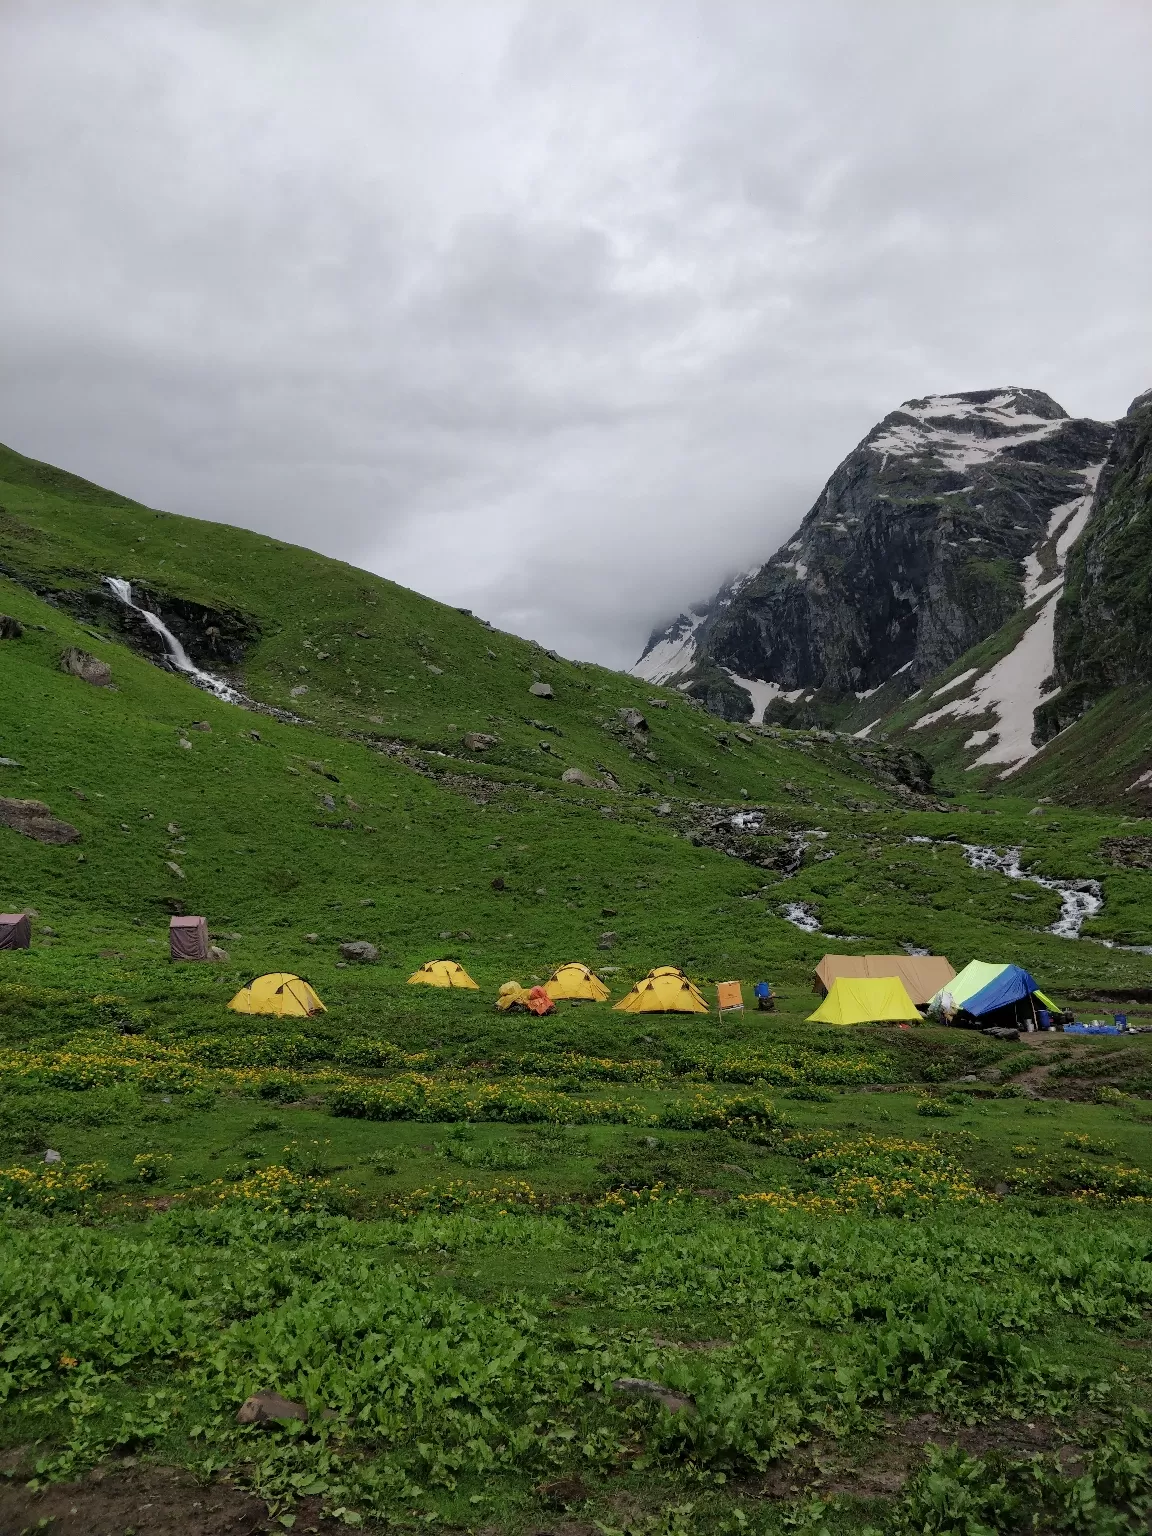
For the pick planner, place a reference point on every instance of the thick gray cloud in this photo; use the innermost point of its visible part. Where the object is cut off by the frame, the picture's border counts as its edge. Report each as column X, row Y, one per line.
column 558, row 311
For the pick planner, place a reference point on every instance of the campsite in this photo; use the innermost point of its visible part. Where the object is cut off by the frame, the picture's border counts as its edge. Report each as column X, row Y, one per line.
column 862, row 1267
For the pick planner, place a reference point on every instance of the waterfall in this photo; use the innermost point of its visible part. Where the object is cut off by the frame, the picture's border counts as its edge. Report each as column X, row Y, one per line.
column 178, row 657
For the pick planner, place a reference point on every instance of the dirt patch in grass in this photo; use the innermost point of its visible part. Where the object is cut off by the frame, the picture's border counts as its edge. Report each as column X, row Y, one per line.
column 886, row 1464
column 149, row 1501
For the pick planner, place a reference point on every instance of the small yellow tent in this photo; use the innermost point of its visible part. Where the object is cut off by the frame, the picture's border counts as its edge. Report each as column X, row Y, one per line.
column 866, row 1000
column 576, row 981
column 664, row 990
column 442, row 973
column 280, row 994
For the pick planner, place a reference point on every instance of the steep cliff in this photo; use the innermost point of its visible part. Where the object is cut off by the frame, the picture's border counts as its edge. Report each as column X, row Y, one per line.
column 930, row 535
column 1104, row 619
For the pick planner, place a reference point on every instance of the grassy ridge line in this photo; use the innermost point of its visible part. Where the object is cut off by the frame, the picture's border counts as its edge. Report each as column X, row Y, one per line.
column 366, row 648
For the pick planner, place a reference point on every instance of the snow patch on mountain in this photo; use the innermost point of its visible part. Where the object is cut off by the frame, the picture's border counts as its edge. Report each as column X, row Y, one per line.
column 672, row 650
column 1065, row 525
column 1012, row 690
column 954, row 682
column 762, row 694
column 673, row 653
column 960, row 432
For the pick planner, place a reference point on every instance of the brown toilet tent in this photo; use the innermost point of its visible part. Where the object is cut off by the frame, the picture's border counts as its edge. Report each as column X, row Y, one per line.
column 923, row 975
column 188, row 938
column 15, row 931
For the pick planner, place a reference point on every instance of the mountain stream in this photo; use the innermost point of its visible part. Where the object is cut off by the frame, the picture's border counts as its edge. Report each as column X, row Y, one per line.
column 178, row 657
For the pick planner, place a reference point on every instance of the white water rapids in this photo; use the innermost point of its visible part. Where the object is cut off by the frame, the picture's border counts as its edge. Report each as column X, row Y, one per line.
column 1079, row 899
column 178, row 657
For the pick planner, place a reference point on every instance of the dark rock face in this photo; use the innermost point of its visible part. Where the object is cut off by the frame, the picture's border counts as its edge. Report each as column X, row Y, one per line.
column 913, row 552
column 34, row 819
column 212, row 637
column 1104, row 617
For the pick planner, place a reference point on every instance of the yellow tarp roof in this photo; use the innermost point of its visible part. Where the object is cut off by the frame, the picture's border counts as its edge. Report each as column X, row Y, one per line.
column 923, row 975
column 664, row 990
column 865, row 1000
column 576, row 981
column 280, row 994
column 442, row 973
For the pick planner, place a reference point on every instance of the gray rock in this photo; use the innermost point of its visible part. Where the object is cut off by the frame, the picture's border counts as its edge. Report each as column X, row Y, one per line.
column 541, row 691
column 578, row 776
column 479, row 741
column 606, row 940
column 269, row 1408
column 311, row 938
column 175, row 868
column 10, row 628
column 52, row 1156
column 328, row 803
column 969, row 1077
column 81, row 664
column 200, row 725
column 360, row 952
column 10, row 762
column 633, row 719
column 658, row 703
column 299, row 690
column 220, row 956
column 32, row 818
column 664, row 809
column 637, row 1386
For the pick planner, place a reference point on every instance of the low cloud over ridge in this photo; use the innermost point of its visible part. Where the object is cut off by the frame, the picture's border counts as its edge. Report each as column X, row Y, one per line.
column 559, row 312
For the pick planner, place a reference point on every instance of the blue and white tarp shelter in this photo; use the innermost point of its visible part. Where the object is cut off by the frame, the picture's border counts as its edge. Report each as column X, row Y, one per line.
column 1012, row 985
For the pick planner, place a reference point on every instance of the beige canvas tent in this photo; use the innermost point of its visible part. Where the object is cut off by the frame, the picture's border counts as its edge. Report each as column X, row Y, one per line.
column 923, row 975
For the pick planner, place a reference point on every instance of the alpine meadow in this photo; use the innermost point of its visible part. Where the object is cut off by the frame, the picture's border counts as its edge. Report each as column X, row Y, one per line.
column 414, row 1261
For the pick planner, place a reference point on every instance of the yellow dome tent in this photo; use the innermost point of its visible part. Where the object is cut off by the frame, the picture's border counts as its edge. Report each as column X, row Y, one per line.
column 576, row 981
column 664, row 990
column 280, row 994
column 442, row 973
column 866, row 1000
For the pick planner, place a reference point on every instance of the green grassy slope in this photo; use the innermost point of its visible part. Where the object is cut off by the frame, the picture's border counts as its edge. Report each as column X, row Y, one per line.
column 374, row 657
column 261, row 853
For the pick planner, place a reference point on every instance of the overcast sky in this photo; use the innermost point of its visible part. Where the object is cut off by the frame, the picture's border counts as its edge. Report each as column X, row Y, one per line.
column 560, row 310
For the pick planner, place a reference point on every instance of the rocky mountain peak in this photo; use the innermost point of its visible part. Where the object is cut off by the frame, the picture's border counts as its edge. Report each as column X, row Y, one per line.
column 917, row 548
